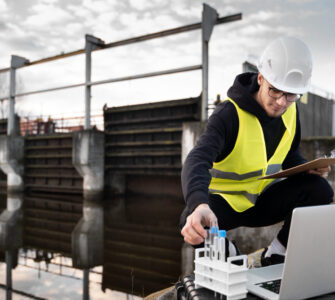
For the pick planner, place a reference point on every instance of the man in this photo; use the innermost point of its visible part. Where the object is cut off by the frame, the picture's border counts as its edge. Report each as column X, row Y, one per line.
column 255, row 132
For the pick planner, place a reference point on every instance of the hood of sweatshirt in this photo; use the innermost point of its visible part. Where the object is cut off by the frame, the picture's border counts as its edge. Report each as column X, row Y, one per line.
column 242, row 91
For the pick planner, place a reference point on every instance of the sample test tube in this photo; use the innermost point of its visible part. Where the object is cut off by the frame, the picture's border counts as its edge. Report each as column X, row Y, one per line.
column 213, row 232
column 207, row 243
column 222, row 244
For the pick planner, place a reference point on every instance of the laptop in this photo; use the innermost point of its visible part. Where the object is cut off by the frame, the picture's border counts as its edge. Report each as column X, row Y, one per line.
column 309, row 268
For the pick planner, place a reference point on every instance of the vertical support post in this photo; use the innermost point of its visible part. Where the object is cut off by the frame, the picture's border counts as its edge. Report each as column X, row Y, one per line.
column 209, row 17
column 16, row 62
column 91, row 43
column 88, row 56
column 11, row 112
column 86, row 282
column 9, row 263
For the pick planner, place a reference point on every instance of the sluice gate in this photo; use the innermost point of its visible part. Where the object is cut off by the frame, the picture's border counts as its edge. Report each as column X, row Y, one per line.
column 53, row 193
column 142, row 198
column 143, row 152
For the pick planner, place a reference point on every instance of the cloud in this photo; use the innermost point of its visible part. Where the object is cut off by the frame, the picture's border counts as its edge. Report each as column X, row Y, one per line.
column 45, row 16
column 40, row 28
column 262, row 16
column 141, row 4
column 3, row 6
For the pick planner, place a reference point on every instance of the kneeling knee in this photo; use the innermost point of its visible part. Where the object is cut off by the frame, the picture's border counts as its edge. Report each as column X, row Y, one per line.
column 320, row 190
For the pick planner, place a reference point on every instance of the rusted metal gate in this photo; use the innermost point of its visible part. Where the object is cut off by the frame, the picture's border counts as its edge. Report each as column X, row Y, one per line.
column 53, row 193
column 143, row 144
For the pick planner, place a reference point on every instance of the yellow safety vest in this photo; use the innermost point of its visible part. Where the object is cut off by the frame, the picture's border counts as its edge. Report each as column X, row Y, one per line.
column 235, row 178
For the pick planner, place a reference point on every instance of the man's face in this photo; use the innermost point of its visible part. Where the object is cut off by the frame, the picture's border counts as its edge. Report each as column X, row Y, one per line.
column 274, row 107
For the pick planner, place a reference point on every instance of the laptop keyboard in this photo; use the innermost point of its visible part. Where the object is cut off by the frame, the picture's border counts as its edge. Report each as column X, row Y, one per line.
column 273, row 285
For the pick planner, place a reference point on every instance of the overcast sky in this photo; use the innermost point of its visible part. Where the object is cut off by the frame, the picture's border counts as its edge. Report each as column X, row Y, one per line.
column 40, row 28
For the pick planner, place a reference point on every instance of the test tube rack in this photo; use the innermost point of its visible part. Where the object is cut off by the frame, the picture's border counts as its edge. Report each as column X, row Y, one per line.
column 221, row 276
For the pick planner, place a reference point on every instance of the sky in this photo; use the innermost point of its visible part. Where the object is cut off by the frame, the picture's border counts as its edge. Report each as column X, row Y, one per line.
column 37, row 29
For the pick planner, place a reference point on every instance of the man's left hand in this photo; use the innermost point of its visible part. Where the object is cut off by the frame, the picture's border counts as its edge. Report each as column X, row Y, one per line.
column 323, row 172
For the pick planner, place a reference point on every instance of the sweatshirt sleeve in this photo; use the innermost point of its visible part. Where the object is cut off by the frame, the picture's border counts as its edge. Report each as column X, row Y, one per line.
column 212, row 144
column 294, row 156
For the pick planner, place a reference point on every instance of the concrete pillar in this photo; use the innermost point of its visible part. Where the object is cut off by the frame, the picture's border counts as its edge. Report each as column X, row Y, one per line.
column 11, row 163
column 190, row 136
column 87, row 238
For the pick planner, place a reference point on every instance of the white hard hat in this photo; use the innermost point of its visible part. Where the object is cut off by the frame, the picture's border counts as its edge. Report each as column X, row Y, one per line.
column 286, row 63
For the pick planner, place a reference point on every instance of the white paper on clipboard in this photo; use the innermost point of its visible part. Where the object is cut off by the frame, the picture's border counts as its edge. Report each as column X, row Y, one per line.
column 313, row 164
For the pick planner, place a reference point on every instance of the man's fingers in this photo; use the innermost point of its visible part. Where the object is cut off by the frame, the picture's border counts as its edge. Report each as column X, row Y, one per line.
column 197, row 225
column 324, row 172
column 192, row 237
column 194, row 231
column 190, row 232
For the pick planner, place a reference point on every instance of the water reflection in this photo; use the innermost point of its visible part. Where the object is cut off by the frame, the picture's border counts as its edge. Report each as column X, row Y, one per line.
column 139, row 257
column 135, row 233
column 51, row 276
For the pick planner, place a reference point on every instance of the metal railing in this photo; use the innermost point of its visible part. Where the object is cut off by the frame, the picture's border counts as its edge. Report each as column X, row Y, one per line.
column 209, row 20
column 40, row 125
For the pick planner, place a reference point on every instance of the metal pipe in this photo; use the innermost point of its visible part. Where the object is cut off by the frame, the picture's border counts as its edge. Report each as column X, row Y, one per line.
column 139, row 76
column 142, row 38
column 47, row 90
column 86, row 290
column 152, row 74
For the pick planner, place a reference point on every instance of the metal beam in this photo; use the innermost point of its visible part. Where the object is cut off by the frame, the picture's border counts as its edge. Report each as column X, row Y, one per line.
column 141, row 38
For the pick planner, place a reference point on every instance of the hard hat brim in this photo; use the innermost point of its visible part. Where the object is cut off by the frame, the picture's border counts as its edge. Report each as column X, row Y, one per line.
column 283, row 88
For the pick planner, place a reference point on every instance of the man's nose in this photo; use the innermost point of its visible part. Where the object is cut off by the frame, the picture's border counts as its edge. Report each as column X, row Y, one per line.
column 282, row 100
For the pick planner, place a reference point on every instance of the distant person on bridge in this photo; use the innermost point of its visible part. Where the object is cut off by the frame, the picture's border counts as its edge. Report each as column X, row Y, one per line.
column 253, row 133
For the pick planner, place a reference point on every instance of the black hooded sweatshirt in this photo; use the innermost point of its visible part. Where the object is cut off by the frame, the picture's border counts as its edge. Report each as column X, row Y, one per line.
column 220, row 135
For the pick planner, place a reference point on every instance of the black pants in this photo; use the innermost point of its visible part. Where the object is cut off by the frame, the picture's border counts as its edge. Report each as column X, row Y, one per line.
column 275, row 204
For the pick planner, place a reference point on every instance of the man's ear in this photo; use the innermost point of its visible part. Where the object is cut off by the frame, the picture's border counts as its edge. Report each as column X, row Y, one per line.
column 260, row 78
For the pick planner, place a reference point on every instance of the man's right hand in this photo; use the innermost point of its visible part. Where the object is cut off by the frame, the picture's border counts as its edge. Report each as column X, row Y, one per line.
column 193, row 231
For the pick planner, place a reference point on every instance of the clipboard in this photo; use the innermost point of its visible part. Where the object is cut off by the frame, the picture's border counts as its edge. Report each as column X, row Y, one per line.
column 313, row 164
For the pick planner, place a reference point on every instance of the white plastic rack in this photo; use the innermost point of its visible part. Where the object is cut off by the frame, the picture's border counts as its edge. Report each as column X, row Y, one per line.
column 213, row 271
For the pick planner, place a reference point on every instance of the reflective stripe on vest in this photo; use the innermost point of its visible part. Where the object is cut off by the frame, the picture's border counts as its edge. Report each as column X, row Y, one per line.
column 231, row 175
column 251, row 197
column 235, row 178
